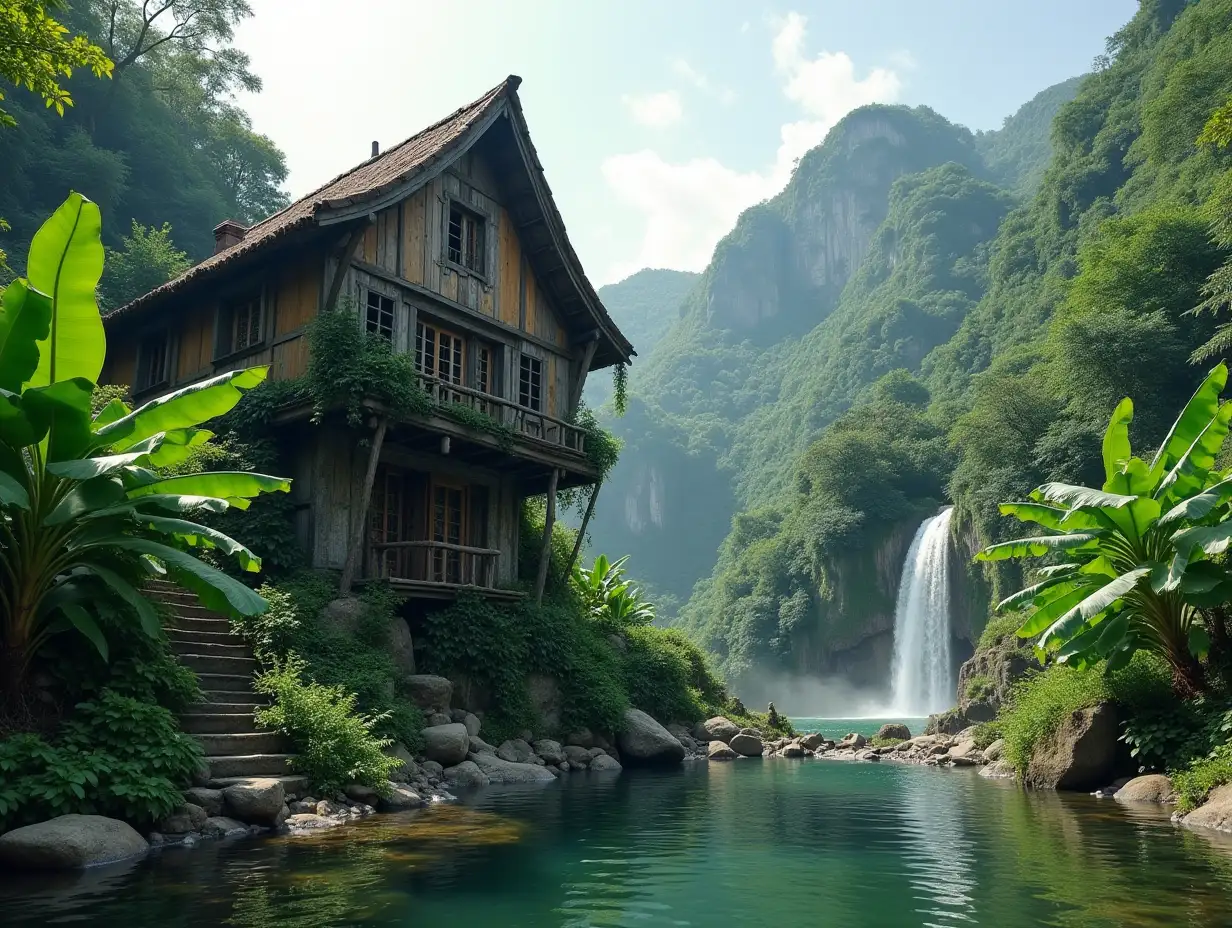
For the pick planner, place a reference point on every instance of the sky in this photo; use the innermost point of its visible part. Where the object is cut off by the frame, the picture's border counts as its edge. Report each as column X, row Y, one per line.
column 657, row 121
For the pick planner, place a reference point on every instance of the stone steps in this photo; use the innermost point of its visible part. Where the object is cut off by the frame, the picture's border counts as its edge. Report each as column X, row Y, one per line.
column 218, row 723
column 248, row 765
column 233, row 744
column 291, row 783
column 215, row 702
column 226, row 682
column 220, row 665
column 200, row 624
column 222, row 647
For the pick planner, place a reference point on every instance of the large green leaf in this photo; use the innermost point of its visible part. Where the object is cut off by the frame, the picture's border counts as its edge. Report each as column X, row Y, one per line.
column 214, row 589
column 25, row 315
column 201, row 536
column 1198, row 505
column 12, row 493
column 64, row 408
column 86, row 468
column 88, row 497
column 228, row 485
column 1036, row 546
column 1072, row 622
column 177, row 446
column 1188, row 475
column 1048, row 613
column 168, row 502
column 17, row 429
column 66, row 262
column 1028, row 594
column 1197, row 413
column 1134, row 478
column 131, row 595
column 1135, row 519
column 1116, row 442
column 1080, row 497
column 1040, row 514
column 1211, row 539
column 84, row 623
column 182, row 409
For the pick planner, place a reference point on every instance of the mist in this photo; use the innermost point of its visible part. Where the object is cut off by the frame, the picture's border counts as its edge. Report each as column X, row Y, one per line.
column 812, row 697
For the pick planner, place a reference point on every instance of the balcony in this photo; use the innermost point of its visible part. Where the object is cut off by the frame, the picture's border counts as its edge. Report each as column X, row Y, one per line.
column 537, row 427
column 436, row 569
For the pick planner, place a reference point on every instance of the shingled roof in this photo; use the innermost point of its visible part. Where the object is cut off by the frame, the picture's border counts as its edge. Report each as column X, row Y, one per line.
column 386, row 172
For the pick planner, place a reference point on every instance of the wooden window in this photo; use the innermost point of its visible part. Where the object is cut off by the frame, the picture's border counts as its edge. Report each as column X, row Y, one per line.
column 530, row 383
column 379, row 315
column 483, row 369
column 241, row 323
column 439, row 353
column 153, row 360
column 448, row 519
column 465, row 241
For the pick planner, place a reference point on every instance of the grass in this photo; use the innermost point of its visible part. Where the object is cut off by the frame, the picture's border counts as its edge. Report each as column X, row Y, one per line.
column 879, row 742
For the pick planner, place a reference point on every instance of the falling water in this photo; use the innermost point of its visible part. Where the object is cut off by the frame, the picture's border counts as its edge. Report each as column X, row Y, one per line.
column 922, row 672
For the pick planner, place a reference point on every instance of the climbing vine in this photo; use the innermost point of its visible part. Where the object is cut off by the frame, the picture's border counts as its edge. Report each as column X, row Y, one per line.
column 620, row 388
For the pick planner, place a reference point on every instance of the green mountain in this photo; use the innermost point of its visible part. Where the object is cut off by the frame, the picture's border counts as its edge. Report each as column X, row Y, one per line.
column 900, row 328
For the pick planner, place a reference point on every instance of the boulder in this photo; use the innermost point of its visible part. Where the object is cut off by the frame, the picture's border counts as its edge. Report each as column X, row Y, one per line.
column 949, row 722
column 795, row 749
column 428, row 691
column 577, row 755
column 302, row 807
column 582, row 738
column 1215, row 813
column 986, row 679
column 964, row 749
column 550, row 751
column 644, row 741
column 356, row 792
column 343, row 614
column 994, row 751
column 457, row 715
column 257, row 801
column 305, row 822
column 1081, row 754
column 433, row 719
column 997, row 770
column 979, row 711
column 967, row 760
column 332, row 809
column 466, row 774
column 220, row 826
column 605, row 762
column 447, row 744
column 719, row 750
column 431, row 769
column 1154, row 787
column 894, row 730
column 479, row 746
column 515, row 751
column 208, row 799
column 472, row 723
column 400, row 799
column 869, row 756
column 852, row 741
column 401, row 647
column 502, row 771
column 718, row 728
column 747, row 745
column 409, row 769
column 69, row 842
column 545, row 700
column 187, row 818
column 812, row 741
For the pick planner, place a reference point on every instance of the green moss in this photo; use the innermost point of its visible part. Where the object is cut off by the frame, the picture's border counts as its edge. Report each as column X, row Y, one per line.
column 978, row 688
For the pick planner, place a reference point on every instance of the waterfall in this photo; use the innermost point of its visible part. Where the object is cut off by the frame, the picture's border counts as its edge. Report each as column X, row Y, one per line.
column 922, row 672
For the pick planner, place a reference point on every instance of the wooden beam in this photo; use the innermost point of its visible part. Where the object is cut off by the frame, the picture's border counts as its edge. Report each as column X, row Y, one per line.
column 360, row 518
column 344, row 262
column 581, row 536
column 545, row 553
column 579, row 375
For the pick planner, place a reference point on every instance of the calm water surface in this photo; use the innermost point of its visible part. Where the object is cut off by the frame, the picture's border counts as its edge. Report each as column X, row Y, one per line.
column 775, row 842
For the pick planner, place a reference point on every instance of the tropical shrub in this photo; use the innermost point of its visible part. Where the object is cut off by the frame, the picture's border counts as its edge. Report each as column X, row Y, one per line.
column 609, row 596
column 1137, row 560
column 83, row 511
column 335, row 743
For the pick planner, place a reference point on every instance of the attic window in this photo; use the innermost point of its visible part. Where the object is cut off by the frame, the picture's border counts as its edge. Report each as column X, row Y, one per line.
column 241, row 323
column 380, row 315
column 465, row 244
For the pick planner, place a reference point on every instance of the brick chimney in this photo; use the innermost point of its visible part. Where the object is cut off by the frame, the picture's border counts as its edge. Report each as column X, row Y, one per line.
column 228, row 233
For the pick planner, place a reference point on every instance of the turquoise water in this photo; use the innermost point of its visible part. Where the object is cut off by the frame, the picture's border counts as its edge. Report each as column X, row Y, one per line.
column 755, row 842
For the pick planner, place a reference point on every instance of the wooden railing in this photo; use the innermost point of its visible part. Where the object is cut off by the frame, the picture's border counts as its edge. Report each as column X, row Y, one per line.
column 435, row 562
column 537, row 425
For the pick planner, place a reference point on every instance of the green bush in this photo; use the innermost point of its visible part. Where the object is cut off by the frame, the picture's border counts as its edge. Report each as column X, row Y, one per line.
column 335, row 743
column 978, row 688
column 116, row 756
column 879, row 742
column 986, row 733
column 1193, row 783
column 1001, row 630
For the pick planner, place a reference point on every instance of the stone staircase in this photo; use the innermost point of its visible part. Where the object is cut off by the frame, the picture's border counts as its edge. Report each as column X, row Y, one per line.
column 235, row 748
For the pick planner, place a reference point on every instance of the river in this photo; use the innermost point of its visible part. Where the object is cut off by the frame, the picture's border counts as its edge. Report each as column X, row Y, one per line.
column 755, row 842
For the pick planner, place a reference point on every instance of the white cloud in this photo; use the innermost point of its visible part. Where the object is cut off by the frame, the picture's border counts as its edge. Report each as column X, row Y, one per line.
column 687, row 207
column 683, row 69
column 657, row 110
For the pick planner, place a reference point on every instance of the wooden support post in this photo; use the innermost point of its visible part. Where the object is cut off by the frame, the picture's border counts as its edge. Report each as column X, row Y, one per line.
column 577, row 545
column 545, row 554
column 579, row 378
column 344, row 262
column 360, row 519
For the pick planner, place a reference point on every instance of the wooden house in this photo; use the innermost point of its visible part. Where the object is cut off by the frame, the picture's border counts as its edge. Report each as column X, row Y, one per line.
column 450, row 246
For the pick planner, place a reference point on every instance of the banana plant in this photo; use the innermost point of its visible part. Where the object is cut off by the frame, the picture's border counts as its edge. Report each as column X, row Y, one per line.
column 86, row 506
column 609, row 596
column 1135, row 563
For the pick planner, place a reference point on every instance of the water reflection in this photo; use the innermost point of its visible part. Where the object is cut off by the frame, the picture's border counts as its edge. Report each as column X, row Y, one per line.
column 939, row 853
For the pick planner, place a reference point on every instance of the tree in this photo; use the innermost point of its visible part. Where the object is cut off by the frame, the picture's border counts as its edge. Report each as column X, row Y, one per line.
column 86, row 507
column 136, row 32
column 1218, row 129
column 147, row 259
column 1136, row 560
column 36, row 51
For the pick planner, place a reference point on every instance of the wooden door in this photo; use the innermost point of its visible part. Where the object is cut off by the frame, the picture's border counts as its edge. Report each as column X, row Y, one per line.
column 448, row 515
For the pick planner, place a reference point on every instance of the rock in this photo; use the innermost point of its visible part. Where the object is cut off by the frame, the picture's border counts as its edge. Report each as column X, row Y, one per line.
column 550, row 751
column 792, row 750
column 602, row 762
column 577, row 755
column 220, row 826
column 472, row 723
column 69, row 842
column 747, row 745
column 447, row 744
column 645, row 741
column 466, row 774
column 457, row 715
column 433, row 719
column 479, row 746
column 409, row 769
column 967, row 760
column 618, row 642
column 939, row 748
column 303, row 807
column 582, row 739
column 305, row 822
column 595, row 752
column 894, row 730
column 187, row 818
column 365, row 794
column 574, row 765
column 515, row 751
column 812, row 741
column 1154, row 787
column 331, row 808
column 719, row 750
column 963, row 749
column 949, row 722
column 429, row 691
column 994, row 751
column 985, row 680
column 869, row 756
column 343, row 614
column 401, row 647
column 718, row 728
column 544, row 694
column 502, row 771
column 998, row 770
column 852, row 741
column 979, row 711
column 400, row 799
column 1215, row 813
column 256, row 801
column 431, row 769
column 208, row 799
column 1080, row 754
